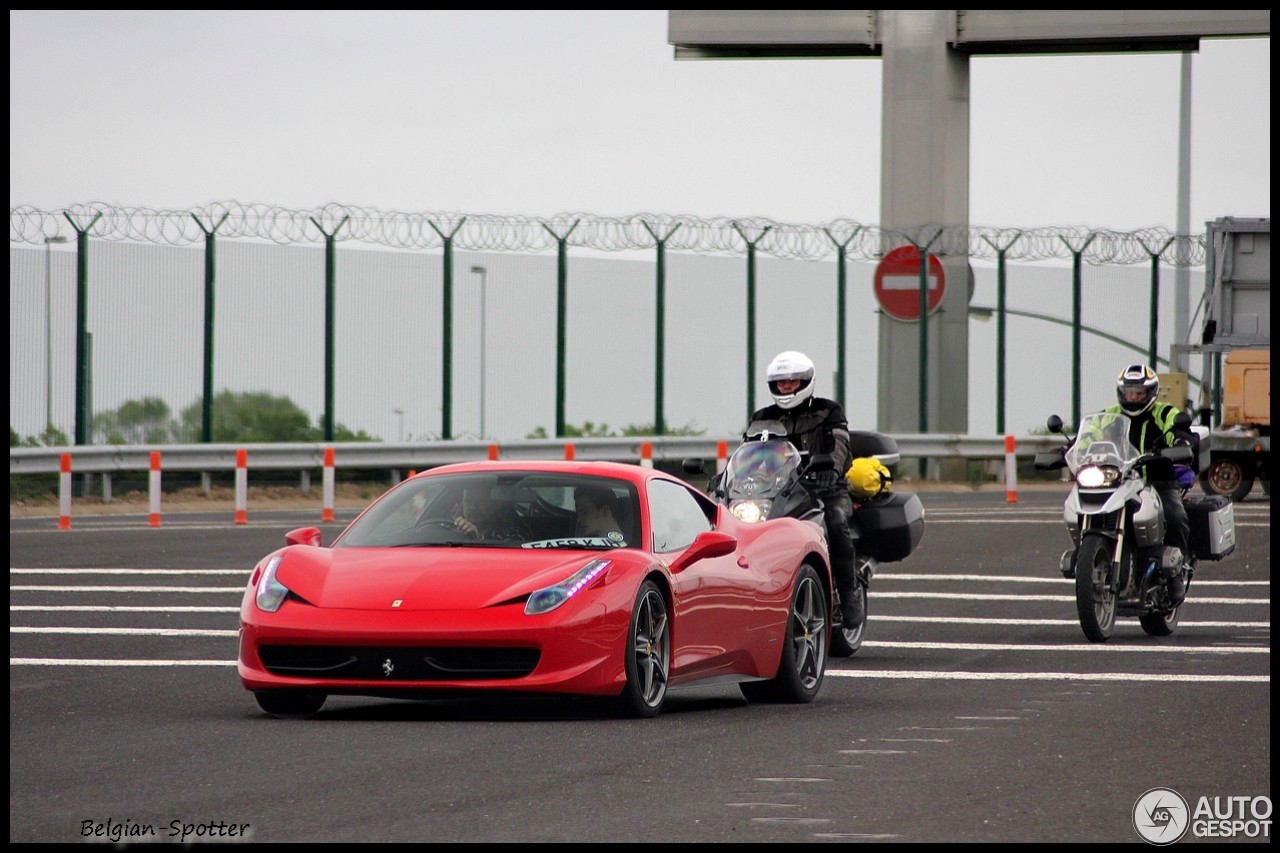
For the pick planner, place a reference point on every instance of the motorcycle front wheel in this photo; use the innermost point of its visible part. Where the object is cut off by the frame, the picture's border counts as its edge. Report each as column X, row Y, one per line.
column 1095, row 600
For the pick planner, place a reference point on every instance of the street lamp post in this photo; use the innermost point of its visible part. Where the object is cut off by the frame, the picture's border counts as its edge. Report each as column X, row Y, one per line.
column 399, row 413
column 484, row 274
column 48, row 330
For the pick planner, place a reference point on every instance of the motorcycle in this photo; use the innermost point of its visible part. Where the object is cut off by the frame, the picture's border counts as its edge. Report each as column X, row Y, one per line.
column 767, row 477
column 1119, row 562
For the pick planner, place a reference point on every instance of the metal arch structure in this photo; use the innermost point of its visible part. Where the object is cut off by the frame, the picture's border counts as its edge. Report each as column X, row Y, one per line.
column 925, row 137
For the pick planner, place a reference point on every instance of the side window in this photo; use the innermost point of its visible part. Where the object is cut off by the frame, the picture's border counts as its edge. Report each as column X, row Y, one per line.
column 676, row 516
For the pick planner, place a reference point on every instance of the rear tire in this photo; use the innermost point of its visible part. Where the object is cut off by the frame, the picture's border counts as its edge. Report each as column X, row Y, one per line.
column 1226, row 476
column 845, row 642
column 1160, row 624
column 804, row 650
column 1095, row 601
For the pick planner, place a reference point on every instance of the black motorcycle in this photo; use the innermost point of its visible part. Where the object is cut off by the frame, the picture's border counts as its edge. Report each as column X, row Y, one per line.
column 767, row 477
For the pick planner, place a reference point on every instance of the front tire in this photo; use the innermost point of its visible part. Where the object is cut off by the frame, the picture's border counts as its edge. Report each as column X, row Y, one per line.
column 1095, row 600
column 804, row 651
column 289, row 703
column 647, row 654
column 846, row 641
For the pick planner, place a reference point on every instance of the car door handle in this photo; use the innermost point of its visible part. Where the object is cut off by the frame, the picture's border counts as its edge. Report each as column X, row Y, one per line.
column 743, row 563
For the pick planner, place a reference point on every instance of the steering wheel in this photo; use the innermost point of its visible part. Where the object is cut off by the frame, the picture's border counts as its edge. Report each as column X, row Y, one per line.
column 436, row 524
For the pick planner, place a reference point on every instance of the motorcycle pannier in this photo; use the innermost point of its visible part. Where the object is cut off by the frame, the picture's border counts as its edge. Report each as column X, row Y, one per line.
column 1213, row 530
column 890, row 525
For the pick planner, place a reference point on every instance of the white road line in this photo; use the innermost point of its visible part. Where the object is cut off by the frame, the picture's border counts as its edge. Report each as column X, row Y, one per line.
column 245, row 572
column 92, row 608
column 99, row 662
column 1065, row 647
column 922, row 675
column 128, row 632
column 883, row 575
column 1057, row 520
column 978, row 620
column 222, row 589
column 973, row 596
column 927, row 675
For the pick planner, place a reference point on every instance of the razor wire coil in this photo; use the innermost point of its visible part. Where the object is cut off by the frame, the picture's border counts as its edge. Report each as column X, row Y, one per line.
column 425, row 230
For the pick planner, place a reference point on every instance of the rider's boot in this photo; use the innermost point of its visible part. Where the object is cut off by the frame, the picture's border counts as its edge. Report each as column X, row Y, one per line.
column 853, row 607
column 1177, row 589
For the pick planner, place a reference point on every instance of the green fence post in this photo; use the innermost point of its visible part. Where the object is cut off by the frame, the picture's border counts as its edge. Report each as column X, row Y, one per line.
column 446, row 331
column 562, row 277
column 841, row 368
column 1000, row 328
column 751, row 314
column 330, row 319
column 83, row 356
column 206, row 402
column 1076, row 256
column 659, row 345
column 1155, row 296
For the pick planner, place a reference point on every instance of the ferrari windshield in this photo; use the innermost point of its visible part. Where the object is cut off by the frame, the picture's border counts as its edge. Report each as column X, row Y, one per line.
column 507, row 509
column 759, row 469
column 1103, row 439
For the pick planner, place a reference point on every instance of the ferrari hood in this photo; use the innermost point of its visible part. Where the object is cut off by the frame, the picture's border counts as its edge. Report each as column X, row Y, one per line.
column 422, row 578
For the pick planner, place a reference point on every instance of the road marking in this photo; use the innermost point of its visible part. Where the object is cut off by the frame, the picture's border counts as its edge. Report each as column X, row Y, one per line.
column 985, row 620
column 1064, row 647
column 882, row 575
column 244, row 572
column 100, row 662
column 91, row 608
column 973, row 596
column 932, row 675
column 222, row 589
column 130, row 632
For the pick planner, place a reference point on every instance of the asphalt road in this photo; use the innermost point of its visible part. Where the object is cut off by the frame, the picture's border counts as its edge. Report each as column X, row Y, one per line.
column 975, row 711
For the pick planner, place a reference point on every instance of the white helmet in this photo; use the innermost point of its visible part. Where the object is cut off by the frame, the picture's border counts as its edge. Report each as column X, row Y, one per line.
column 1137, row 387
column 790, row 365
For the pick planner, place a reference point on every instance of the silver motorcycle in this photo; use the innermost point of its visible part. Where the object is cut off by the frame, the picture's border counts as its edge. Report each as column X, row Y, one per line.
column 1120, row 563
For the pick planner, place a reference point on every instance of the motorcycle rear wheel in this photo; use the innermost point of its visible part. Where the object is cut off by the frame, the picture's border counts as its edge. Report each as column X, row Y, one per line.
column 845, row 642
column 1159, row 624
column 1095, row 600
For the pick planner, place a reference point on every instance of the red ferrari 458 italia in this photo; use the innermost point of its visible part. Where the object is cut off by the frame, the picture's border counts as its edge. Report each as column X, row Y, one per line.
column 588, row 578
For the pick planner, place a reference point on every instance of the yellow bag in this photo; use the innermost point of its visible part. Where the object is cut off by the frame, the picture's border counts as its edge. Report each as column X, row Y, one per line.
column 868, row 477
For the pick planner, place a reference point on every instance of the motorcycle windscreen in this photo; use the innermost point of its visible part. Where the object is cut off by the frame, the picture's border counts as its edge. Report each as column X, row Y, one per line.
column 759, row 469
column 1103, row 439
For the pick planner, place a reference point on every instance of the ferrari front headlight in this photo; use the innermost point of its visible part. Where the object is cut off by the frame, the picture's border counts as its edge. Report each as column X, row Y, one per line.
column 271, row 593
column 549, row 598
column 751, row 511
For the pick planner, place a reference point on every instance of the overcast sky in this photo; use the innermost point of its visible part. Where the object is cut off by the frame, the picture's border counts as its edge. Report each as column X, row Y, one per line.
column 544, row 112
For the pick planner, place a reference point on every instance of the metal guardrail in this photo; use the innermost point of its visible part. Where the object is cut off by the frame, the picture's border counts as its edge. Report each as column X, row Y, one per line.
column 111, row 459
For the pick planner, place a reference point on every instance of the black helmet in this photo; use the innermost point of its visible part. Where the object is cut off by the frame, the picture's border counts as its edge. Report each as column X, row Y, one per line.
column 1136, row 388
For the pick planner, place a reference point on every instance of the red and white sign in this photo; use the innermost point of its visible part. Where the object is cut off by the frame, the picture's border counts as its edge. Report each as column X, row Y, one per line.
column 898, row 283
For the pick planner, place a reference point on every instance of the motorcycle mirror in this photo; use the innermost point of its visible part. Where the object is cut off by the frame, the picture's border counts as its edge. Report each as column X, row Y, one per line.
column 1182, row 421
column 822, row 462
column 1054, row 424
column 693, row 466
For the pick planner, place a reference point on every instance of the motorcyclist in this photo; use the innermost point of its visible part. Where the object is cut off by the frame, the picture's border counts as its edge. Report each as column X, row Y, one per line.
column 1153, row 428
column 817, row 425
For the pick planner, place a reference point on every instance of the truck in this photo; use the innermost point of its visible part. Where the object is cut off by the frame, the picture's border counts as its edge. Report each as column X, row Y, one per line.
column 1235, row 340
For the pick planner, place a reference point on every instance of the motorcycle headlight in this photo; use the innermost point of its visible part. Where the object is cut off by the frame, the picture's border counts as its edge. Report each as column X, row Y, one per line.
column 751, row 511
column 549, row 598
column 271, row 593
column 1097, row 476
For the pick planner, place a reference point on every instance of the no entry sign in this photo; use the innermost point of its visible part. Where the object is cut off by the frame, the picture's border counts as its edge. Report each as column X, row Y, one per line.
column 898, row 283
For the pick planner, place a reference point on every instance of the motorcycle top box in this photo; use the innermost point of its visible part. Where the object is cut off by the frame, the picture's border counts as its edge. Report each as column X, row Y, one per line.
column 890, row 525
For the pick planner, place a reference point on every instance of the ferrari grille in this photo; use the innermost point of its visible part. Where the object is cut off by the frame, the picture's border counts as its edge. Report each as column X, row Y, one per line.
column 398, row 663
